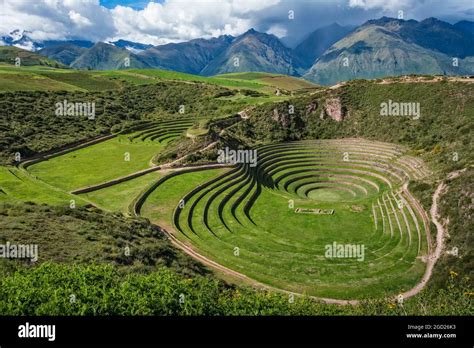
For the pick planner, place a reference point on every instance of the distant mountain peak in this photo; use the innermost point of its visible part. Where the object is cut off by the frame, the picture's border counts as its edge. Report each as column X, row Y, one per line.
column 402, row 47
column 254, row 51
column 253, row 33
column 465, row 26
column 384, row 21
column 18, row 34
column 134, row 47
column 334, row 25
column 318, row 41
column 432, row 20
column 20, row 38
column 101, row 44
column 250, row 31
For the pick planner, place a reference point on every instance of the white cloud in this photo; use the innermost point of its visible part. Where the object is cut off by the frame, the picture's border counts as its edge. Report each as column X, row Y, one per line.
column 417, row 9
column 180, row 20
column 277, row 30
column 156, row 23
column 57, row 19
column 390, row 5
column 245, row 6
column 78, row 19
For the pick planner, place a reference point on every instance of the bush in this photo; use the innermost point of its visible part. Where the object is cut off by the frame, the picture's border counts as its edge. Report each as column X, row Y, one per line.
column 56, row 289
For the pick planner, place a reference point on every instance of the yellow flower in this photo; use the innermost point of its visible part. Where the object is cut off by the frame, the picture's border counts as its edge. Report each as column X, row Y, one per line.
column 392, row 305
column 453, row 274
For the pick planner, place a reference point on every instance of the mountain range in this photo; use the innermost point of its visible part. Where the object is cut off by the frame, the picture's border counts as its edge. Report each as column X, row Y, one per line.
column 390, row 47
column 377, row 48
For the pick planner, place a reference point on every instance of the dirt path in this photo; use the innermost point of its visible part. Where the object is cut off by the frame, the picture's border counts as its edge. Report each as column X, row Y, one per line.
column 440, row 235
column 433, row 256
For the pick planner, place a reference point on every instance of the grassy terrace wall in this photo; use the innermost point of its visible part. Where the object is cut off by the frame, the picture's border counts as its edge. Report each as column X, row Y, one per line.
column 247, row 209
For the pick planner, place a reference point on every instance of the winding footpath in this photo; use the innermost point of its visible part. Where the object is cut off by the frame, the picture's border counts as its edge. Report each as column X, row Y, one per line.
column 436, row 253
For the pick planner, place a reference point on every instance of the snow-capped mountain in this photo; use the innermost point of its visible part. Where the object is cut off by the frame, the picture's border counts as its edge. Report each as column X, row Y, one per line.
column 19, row 38
column 134, row 47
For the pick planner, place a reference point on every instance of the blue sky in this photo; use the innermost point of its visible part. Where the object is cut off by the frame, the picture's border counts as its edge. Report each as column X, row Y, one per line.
column 164, row 21
column 138, row 5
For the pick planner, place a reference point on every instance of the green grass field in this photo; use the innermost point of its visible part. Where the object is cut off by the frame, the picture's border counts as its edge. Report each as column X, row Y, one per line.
column 174, row 75
column 18, row 186
column 118, row 197
column 27, row 79
column 42, row 78
column 45, row 78
column 98, row 163
column 285, row 82
column 161, row 204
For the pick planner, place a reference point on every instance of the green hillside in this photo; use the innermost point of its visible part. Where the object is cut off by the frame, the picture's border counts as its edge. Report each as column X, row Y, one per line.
column 103, row 56
column 283, row 82
column 121, row 99
column 48, row 79
column 9, row 54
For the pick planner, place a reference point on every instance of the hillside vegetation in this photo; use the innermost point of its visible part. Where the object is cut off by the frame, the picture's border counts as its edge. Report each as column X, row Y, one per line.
column 150, row 277
column 29, row 124
column 88, row 235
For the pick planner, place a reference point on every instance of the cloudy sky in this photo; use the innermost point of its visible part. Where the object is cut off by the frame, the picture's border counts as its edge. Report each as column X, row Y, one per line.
column 163, row 21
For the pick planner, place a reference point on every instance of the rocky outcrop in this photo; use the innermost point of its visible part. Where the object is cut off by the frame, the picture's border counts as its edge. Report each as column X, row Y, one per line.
column 311, row 108
column 243, row 114
column 281, row 117
column 334, row 109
